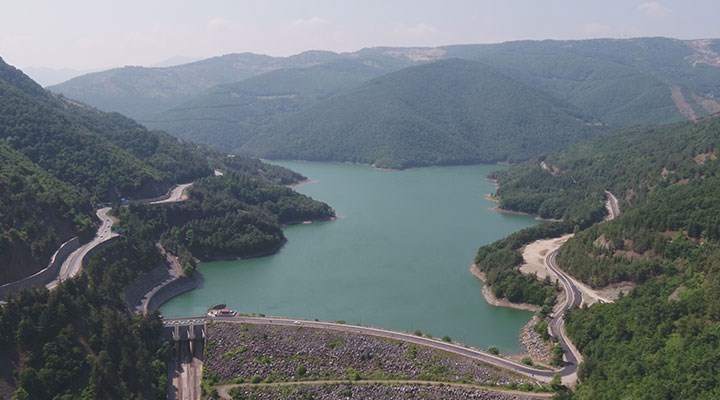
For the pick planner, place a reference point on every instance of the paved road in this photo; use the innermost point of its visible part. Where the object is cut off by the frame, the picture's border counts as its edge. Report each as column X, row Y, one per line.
column 177, row 193
column 568, row 373
column 73, row 263
column 573, row 298
column 613, row 207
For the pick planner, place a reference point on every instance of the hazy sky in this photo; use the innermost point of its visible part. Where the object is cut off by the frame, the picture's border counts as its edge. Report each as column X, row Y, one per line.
column 86, row 34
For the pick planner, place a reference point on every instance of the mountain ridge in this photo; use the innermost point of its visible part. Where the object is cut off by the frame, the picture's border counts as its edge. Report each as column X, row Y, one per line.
column 447, row 112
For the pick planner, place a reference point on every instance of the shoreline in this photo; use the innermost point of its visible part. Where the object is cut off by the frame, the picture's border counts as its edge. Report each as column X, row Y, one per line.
column 297, row 184
column 513, row 212
column 497, row 302
column 311, row 221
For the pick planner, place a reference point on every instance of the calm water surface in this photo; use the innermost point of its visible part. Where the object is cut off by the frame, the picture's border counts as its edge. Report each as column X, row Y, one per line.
column 398, row 257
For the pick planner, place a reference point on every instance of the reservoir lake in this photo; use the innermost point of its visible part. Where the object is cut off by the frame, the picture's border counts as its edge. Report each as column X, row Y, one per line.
column 397, row 257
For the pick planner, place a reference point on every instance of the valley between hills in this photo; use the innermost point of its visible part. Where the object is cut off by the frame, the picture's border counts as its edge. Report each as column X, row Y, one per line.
column 612, row 142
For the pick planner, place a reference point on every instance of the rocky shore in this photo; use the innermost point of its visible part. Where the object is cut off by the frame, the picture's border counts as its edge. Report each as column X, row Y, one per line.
column 246, row 353
column 375, row 391
column 535, row 347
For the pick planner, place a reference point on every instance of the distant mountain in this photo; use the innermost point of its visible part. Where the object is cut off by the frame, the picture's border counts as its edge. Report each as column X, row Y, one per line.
column 621, row 82
column 173, row 61
column 52, row 76
column 226, row 101
column 447, row 112
column 139, row 91
column 230, row 114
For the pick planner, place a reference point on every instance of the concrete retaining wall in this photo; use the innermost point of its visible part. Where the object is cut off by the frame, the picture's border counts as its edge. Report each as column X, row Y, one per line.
column 45, row 276
column 159, row 198
column 97, row 248
column 175, row 288
column 138, row 288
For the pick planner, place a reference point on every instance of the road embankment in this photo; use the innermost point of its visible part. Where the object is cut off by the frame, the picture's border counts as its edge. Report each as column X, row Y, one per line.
column 46, row 275
column 298, row 352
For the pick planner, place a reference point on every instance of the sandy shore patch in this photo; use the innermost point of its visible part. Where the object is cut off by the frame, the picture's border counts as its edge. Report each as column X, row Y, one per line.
column 534, row 255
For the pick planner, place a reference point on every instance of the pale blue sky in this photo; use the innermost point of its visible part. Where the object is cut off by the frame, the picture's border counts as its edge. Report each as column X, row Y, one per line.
column 86, row 34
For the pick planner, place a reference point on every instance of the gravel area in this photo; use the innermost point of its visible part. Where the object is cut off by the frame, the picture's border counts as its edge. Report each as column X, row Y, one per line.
column 247, row 353
column 535, row 346
column 369, row 392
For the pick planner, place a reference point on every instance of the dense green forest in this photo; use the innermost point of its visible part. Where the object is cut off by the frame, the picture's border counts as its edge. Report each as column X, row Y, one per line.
column 228, row 115
column 106, row 155
column 139, row 92
column 620, row 82
column 37, row 212
column 447, row 112
column 225, row 101
column 77, row 342
column 630, row 163
column 234, row 215
column 661, row 339
column 58, row 159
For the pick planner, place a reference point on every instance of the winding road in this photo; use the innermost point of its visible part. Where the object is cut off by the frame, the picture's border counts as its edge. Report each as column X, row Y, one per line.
column 73, row 263
column 573, row 298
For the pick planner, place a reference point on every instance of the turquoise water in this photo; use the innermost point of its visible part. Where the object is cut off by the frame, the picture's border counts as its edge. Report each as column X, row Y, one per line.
column 397, row 258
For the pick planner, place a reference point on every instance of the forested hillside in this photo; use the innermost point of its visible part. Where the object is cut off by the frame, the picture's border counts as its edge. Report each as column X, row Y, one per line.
column 229, row 216
column 620, row 82
column 58, row 159
column 225, row 101
column 630, row 163
column 77, row 341
column 37, row 212
column 447, row 112
column 661, row 339
column 228, row 115
column 139, row 91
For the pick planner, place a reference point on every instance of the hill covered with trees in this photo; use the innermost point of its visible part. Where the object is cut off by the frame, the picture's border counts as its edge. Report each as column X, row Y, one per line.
column 225, row 101
column 228, row 115
column 58, row 159
column 447, row 112
column 140, row 91
column 659, row 340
